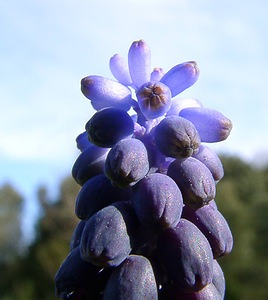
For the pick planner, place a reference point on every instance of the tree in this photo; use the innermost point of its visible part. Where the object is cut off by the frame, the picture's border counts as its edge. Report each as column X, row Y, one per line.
column 10, row 223
column 32, row 276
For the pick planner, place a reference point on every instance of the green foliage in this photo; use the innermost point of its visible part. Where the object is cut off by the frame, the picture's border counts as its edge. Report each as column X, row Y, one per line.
column 242, row 197
column 32, row 276
column 10, row 229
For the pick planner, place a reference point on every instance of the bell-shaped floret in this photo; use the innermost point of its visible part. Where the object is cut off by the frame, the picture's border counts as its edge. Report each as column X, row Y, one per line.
column 108, row 126
column 194, row 180
column 82, row 141
column 157, row 201
column 120, row 70
column 154, row 99
column 133, row 279
column 105, row 240
column 211, row 124
column 77, row 233
column 214, row 226
column 181, row 77
column 78, row 279
column 89, row 163
column 209, row 158
column 139, row 62
column 104, row 92
column 218, row 278
column 186, row 256
column 97, row 193
column 176, row 137
column 127, row 162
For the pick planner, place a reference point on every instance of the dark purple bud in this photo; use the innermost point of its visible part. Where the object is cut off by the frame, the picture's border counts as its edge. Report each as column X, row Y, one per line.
column 97, row 193
column 133, row 279
column 108, row 126
column 105, row 240
column 127, row 162
column 76, row 236
column 89, row 163
column 214, row 226
column 78, row 279
column 82, row 141
column 218, row 278
column 176, row 137
column 194, row 180
column 209, row 158
column 186, row 256
column 158, row 201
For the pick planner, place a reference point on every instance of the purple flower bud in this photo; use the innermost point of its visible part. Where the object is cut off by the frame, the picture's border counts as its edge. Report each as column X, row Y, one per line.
column 154, row 99
column 194, row 180
column 211, row 125
column 176, row 137
column 89, row 163
column 104, row 92
column 214, row 226
column 120, row 70
column 82, row 141
column 211, row 160
column 181, row 77
column 180, row 103
column 157, row 74
column 139, row 62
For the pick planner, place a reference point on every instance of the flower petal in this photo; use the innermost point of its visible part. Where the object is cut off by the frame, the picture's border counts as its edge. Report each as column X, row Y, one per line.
column 180, row 103
column 157, row 74
column 104, row 92
column 139, row 62
column 181, row 77
column 211, row 125
column 154, row 99
column 119, row 68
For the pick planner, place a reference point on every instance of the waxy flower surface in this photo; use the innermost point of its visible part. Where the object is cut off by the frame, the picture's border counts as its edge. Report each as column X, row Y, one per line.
column 149, row 224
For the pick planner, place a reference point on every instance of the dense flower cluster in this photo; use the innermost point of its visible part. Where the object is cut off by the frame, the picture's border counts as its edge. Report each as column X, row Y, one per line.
column 149, row 225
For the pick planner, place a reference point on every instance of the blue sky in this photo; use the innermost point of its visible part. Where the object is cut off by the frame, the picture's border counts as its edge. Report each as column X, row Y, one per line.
column 48, row 46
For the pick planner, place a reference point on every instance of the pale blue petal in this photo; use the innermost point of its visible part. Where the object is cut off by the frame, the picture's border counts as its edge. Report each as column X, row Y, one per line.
column 119, row 68
column 157, row 74
column 180, row 103
column 211, row 125
column 139, row 62
column 181, row 77
column 104, row 92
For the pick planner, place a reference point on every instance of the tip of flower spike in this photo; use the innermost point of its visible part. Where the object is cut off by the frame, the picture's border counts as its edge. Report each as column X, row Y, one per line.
column 139, row 62
column 154, row 99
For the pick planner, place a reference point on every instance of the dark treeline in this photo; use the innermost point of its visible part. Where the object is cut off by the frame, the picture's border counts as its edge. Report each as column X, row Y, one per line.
column 242, row 197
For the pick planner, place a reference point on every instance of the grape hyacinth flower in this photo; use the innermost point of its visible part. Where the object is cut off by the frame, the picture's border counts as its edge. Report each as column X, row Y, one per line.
column 148, row 223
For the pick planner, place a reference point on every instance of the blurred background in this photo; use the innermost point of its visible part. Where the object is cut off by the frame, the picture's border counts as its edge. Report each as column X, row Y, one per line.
column 48, row 46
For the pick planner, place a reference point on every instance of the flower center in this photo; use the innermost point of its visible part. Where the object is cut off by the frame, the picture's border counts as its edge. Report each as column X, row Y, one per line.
column 154, row 95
